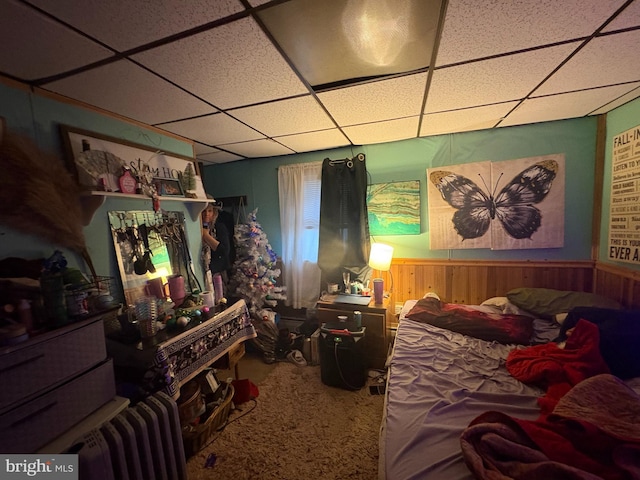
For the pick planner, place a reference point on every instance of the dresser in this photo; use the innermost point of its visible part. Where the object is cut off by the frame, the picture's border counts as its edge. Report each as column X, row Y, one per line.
column 53, row 381
column 377, row 318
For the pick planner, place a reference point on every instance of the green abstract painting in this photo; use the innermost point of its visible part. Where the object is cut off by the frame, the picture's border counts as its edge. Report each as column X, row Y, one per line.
column 394, row 208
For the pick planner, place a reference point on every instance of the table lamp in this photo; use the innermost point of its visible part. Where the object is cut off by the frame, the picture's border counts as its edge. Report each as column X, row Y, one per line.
column 380, row 259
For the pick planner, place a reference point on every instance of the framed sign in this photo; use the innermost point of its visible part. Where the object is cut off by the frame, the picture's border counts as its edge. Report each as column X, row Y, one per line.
column 97, row 161
column 624, row 209
column 168, row 187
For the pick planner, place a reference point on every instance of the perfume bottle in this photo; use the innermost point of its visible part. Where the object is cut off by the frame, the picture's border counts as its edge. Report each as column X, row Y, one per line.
column 127, row 181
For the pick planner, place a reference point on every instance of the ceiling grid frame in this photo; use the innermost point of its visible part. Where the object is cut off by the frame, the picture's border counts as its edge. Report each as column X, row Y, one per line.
column 385, row 106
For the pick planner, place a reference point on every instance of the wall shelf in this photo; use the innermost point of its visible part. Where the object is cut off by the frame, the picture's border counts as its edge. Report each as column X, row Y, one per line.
column 93, row 200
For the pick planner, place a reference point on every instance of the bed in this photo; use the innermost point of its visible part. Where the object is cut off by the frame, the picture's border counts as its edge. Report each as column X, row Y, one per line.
column 453, row 404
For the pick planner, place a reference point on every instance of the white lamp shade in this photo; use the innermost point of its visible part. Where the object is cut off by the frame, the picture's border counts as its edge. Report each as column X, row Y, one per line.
column 380, row 256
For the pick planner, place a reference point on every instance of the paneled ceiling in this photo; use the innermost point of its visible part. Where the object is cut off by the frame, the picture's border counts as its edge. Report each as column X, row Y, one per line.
column 253, row 78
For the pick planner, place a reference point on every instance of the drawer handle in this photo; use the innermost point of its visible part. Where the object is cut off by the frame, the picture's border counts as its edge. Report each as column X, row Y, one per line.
column 24, row 362
column 34, row 414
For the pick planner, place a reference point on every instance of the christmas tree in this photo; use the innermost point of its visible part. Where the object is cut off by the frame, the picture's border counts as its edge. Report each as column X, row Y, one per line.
column 188, row 181
column 254, row 271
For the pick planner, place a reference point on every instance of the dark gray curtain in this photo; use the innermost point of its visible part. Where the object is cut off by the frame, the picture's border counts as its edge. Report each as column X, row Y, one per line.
column 344, row 224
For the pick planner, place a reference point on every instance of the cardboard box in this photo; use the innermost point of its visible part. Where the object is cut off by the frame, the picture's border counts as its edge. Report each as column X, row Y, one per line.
column 315, row 347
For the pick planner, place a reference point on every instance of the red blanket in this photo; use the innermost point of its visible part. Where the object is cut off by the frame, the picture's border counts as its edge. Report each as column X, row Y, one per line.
column 558, row 369
column 464, row 319
column 593, row 433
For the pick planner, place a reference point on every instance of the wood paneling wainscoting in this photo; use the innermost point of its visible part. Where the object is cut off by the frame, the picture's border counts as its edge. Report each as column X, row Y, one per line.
column 473, row 281
column 618, row 283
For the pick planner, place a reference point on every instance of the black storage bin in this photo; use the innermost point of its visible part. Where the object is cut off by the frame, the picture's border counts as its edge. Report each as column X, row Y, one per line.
column 342, row 362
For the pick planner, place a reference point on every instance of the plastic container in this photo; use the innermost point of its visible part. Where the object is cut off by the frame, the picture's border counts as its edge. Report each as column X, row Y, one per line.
column 218, row 288
column 146, row 309
column 147, row 328
column 26, row 316
column 357, row 318
column 378, row 290
column 191, row 402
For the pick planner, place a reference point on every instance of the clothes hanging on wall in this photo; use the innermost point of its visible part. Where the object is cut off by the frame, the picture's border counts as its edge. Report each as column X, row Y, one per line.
column 344, row 223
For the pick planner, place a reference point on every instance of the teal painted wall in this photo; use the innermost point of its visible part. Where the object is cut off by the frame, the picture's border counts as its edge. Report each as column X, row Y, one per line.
column 39, row 118
column 409, row 159
column 619, row 120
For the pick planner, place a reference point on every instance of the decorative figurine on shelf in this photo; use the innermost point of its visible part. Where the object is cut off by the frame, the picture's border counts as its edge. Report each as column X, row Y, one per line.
column 127, row 181
column 149, row 189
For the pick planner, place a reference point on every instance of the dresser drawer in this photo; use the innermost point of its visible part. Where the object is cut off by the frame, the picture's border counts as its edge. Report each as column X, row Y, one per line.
column 236, row 353
column 231, row 358
column 44, row 361
column 28, row 427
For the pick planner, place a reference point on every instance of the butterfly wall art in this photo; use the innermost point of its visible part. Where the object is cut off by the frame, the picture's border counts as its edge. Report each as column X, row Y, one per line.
column 513, row 204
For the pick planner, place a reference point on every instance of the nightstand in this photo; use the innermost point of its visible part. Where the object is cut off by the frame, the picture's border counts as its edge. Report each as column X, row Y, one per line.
column 374, row 317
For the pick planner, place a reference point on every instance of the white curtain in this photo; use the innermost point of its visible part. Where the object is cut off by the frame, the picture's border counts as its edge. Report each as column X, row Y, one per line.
column 299, row 189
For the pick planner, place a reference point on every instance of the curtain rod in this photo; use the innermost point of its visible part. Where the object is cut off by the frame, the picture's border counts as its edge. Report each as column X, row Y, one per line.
column 348, row 161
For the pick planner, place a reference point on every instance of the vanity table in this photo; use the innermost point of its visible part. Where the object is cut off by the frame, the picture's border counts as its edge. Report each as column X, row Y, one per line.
column 168, row 360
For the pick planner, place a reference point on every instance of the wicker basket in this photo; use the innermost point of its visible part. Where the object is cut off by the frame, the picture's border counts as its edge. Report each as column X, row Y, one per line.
column 196, row 438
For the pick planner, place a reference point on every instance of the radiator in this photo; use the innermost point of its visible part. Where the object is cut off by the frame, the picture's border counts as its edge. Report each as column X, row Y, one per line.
column 141, row 443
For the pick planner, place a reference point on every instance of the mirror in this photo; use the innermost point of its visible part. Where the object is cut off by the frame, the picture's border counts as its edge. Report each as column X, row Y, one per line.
column 150, row 245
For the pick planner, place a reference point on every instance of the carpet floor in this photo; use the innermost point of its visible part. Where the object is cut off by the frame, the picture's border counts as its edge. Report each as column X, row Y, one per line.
column 297, row 428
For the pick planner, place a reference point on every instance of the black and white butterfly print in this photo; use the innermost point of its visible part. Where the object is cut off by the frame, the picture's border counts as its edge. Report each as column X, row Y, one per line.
column 513, row 205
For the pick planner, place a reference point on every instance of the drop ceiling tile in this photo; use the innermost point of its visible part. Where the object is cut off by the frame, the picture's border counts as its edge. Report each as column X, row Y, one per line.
column 125, row 24
column 633, row 94
column 129, row 90
column 336, row 40
column 381, row 132
column 376, row 101
column 214, row 129
column 294, row 115
column 477, row 29
column 562, row 106
column 629, row 17
column 237, row 66
column 465, row 120
column 308, row 142
column 258, row 148
column 497, row 80
column 201, row 149
column 44, row 48
column 218, row 156
column 606, row 60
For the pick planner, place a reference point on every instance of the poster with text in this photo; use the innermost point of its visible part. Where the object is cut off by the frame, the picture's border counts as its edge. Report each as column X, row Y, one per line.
column 624, row 218
column 514, row 204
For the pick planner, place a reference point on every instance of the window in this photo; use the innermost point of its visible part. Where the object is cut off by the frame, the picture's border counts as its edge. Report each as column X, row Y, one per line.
column 299, row 188
column 311, row 218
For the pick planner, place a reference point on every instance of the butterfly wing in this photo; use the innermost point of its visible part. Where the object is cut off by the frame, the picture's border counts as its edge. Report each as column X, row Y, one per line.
column 514, row 203
column 474, row 210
